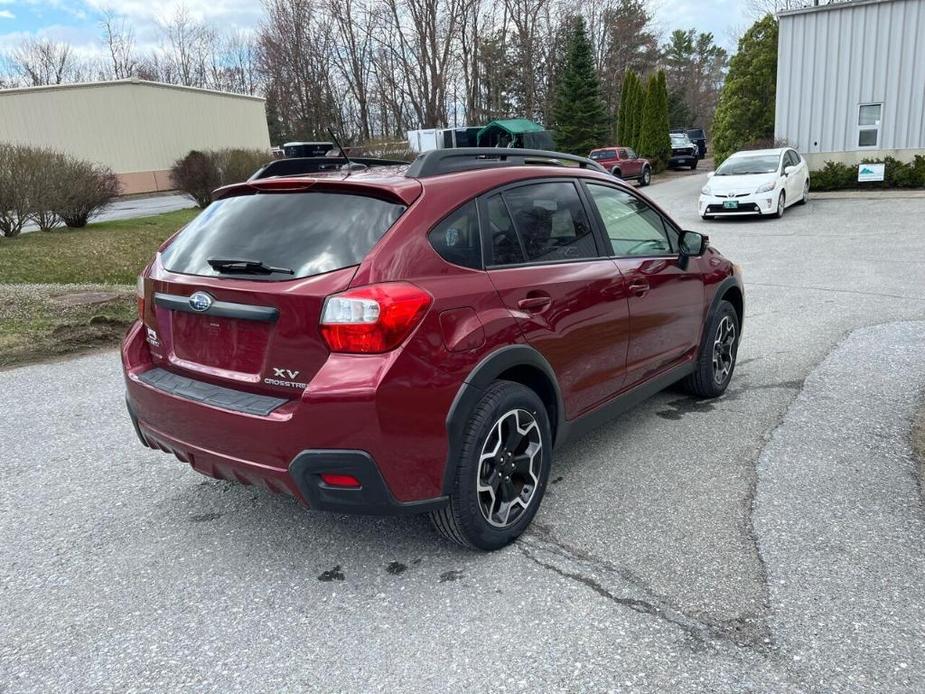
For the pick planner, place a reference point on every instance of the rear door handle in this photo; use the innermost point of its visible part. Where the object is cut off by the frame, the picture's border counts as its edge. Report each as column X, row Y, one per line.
column 639, row 287
column 534, row 303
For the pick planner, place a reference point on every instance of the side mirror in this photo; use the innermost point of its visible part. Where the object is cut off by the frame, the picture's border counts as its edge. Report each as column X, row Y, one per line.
column 693, row 245
column 788, row 170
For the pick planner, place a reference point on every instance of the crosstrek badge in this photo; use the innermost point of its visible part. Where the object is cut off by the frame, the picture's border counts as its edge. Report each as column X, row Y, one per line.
column 286, row 378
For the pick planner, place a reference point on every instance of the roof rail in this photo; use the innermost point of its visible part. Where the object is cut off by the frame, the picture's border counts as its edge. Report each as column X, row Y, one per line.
column 441, row 161
column 298, row 166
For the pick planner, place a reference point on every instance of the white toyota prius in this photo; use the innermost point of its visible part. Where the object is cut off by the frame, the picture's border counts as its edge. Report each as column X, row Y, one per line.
column 762, row 182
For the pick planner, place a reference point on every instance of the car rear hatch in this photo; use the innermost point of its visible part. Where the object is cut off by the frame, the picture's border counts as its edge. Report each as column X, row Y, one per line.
column 236, row 297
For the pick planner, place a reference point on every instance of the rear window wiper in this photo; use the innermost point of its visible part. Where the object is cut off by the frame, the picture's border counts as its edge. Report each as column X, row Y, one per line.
column 245, row 266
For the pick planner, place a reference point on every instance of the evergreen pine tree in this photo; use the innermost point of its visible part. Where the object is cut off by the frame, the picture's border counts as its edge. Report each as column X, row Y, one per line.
column 580, row 113
column 745, row 113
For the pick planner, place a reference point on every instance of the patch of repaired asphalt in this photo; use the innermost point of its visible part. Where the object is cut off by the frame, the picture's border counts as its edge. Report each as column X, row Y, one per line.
column 839, row 518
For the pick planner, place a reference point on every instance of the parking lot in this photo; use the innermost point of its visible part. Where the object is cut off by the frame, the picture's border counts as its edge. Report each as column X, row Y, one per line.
column 767, row 541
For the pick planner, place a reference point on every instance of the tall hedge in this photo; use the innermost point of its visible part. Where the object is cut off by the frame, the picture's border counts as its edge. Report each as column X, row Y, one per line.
column 654, row 140
column 625, row 127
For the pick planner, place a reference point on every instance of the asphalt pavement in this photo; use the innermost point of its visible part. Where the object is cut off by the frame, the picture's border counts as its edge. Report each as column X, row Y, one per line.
column 768, row 541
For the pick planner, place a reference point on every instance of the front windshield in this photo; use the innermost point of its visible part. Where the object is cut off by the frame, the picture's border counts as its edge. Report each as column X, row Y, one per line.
column 679, row 140
column 744, row 166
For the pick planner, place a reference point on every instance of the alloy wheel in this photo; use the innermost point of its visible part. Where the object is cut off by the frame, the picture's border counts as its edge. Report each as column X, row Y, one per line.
column 646, row 177
column 509, row 466
column 724, row 350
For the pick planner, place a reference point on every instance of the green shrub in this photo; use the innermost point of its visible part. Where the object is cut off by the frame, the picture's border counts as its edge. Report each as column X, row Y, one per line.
column 897, row 174
column 834, row 176
column 198, row 174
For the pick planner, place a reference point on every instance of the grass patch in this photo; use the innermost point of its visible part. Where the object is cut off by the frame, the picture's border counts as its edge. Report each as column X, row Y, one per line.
column 104, row 253
column 68, row 291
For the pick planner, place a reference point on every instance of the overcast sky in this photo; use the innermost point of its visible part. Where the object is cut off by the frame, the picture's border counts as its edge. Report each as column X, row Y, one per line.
column 77, row 21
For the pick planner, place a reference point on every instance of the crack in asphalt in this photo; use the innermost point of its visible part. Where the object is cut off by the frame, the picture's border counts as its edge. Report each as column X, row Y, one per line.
column 837, row 291
column 749, row 632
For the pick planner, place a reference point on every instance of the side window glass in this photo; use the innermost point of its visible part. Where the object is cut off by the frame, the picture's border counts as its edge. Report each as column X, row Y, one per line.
column 551, row 222
column 634, row 228
column 503, row 245
column 456, row 238
column 631, row 154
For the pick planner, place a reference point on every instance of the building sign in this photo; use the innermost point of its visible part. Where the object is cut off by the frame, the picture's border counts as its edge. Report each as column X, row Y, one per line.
column 868, row 173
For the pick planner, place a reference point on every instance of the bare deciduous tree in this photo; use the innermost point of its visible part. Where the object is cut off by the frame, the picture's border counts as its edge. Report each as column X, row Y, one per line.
column 119, row 38
column 39, row 61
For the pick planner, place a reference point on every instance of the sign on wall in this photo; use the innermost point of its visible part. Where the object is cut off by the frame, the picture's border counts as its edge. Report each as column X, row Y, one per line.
column 868, row 173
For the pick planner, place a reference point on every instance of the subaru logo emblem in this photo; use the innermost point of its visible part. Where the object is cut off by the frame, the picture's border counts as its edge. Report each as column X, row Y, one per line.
column 200, row 301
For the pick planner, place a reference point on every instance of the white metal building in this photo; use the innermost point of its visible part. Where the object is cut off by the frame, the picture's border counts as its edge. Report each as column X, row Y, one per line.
column 851, row 80
column 136, row 128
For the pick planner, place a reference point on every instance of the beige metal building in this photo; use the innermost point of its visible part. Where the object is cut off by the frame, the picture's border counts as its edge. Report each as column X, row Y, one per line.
column 136, row 128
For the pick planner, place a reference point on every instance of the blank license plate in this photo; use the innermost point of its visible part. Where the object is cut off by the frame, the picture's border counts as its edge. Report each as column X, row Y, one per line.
column 730, row 204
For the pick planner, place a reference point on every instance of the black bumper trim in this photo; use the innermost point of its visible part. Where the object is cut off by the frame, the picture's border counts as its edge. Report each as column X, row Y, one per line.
column 371, row 498
column 209, row 394
column 221, row 309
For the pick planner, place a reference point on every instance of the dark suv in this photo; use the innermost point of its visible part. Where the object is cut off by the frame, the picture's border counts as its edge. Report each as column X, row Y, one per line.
column 697, row 136
column 421, row 338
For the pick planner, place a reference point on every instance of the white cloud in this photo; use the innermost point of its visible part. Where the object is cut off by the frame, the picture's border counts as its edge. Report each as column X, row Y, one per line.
column 6, row 14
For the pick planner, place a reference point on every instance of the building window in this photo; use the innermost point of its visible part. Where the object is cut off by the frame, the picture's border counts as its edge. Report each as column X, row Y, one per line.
column 869, row 125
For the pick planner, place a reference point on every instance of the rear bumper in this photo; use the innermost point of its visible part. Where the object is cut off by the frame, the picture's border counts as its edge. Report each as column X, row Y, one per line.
column 397, row 445
column 683, row 160
column 301, row 478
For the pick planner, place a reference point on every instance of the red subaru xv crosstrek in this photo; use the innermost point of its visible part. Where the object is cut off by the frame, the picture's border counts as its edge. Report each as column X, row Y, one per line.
column 420, row 338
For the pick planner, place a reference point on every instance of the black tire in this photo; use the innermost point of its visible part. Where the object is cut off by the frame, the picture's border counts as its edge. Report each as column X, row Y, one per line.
column 616, row 172
column 805, row 197
column 646, row 177
column 706, row 382
column 781, row 205
column 694, row 165
column 465, row 520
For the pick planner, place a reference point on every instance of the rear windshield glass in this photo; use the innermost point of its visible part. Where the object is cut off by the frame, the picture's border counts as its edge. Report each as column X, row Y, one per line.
column 309, row 233
column 695, row 134
column 603, row 154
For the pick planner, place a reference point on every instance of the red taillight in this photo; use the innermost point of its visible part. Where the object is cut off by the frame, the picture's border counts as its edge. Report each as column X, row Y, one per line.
column 335, row 480
column 372, row 319
column 140, row 296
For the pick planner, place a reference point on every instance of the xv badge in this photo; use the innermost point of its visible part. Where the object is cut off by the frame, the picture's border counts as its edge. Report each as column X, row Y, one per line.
column 285, row 373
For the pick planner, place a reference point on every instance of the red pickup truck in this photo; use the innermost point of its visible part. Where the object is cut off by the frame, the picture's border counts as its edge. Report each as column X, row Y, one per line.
column 623, row 163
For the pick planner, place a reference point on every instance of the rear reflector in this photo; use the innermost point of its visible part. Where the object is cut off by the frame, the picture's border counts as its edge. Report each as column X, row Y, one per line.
column 336, row 480
column 373, row 319
column 140, row 296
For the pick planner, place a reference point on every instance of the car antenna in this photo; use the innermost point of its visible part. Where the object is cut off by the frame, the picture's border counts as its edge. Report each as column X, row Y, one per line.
column 351, row 166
